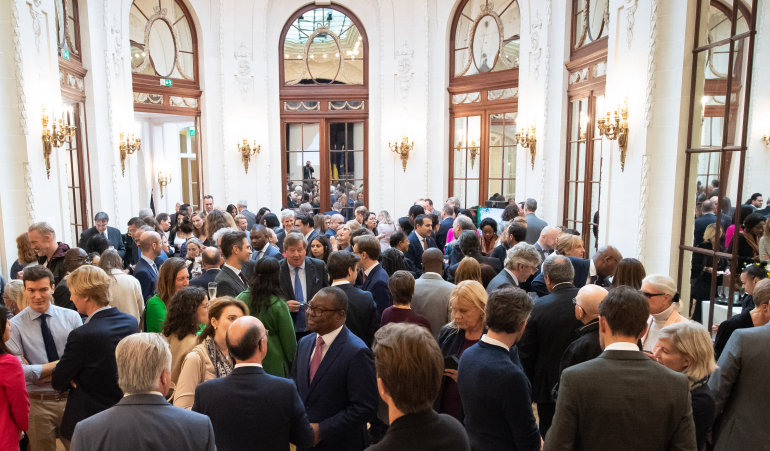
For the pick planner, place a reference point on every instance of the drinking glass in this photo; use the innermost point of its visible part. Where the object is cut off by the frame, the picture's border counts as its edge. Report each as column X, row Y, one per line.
column 212, row 290
column 720, row 292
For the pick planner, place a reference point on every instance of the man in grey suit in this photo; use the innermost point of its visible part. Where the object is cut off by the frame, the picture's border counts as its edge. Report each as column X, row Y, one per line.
column 232, row 281
column 143, row 419
column 622, row 399
column 431, row 292
column 740, row 386
column 521, row 261
column 250, row 218
column 534, row 224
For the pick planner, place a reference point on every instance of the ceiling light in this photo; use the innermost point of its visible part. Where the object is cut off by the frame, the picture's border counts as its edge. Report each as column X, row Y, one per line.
column 324, row 56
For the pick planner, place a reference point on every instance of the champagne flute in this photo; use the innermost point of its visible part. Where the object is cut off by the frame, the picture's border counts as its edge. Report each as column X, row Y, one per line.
column 212, row 290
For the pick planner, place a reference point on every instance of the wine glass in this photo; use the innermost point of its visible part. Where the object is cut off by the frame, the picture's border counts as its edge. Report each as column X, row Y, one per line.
column 212, row 290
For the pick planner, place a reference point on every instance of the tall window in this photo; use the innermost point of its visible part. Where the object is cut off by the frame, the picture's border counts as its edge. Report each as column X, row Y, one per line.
column 586, row 83
column 483, row 88
column 324, row 109
column 717, row 172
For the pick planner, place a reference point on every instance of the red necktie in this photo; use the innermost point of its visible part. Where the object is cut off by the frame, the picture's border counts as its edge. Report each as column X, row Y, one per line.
column 243, row 279
column 315, row 362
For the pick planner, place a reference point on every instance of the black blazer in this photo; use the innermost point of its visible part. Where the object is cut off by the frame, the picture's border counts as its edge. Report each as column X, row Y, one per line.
column 203, row 280
column 251, row 406
column 316, row 278
column 585, row 348
column 144, row 273
column 726, row 329
column 455, row 255
column 501, row 252
column 424, row 431
column 700, row 227
column 362, row 317
column 582, row 268
column 89, row 361
column 281, row 235
column 228, row 283
column 443, row 231
column 415, row 249
column 493, row 262
column 115, row 239
column 551, row 328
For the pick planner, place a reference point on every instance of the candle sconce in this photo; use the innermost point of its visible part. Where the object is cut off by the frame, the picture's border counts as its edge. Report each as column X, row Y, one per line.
column 402, row 150
column 473, row 149
column 56, row 136
column 163, row 180
column 528, row 140
column 127, row 147
column 247, row 151
column 616, row 129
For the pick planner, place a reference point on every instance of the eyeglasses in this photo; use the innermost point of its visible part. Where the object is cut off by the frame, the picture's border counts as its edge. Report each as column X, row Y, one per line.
column 574, row 302
column 651, row 295
column 319, row 311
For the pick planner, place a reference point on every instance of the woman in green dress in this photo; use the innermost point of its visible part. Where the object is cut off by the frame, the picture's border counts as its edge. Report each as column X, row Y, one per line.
column 172, row 277
column 266, row 302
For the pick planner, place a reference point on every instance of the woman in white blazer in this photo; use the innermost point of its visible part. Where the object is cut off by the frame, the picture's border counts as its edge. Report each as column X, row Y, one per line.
column 126, row 291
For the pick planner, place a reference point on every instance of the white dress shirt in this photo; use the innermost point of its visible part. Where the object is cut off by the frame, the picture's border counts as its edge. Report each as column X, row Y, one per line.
column 261, row 253
column 622, row 346
column 328, row 340
column 489, row 340
column 591, row 270
column 515, row 279
column 369, row 269
column 238, row 365
column 302, row 279
column 340, row 282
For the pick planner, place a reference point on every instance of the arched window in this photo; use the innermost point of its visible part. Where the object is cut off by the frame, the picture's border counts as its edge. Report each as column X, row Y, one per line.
column 324, row 109
column 162, row 40
column 483, row 91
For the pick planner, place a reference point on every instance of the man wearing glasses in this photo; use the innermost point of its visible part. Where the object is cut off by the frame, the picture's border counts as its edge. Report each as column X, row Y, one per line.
column 335, row 376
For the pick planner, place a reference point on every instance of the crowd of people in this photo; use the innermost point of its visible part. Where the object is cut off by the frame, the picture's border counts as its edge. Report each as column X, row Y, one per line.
column 225, row 329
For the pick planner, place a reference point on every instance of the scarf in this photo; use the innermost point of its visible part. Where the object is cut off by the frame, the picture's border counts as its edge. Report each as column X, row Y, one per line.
column 222, row 365
column 752, row 241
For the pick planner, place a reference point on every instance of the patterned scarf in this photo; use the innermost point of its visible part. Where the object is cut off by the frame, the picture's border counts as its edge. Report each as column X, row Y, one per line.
column 220, row 361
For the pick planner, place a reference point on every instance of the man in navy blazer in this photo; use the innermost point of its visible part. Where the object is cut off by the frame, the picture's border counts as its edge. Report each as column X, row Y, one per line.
column 299, row 290
column 87, row 368
column 250, row 406
column 447, row 221
column 362, row 317
column 595, row 270
column 211, row 259
column 420, row 240
column 146, row 270
column 704, row 221
column 101, row 221
column 373, row 277
column 335, row 376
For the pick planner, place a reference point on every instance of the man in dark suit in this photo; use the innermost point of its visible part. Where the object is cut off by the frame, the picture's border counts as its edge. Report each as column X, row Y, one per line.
column 516, row 234
column 373, row 277
column 447, row 221
column 462, row 223
column 520, row 263
column 407, row 222
column 113, row 236
column 305, row 224
column 470, row 245
column 550, row 331
column 287, row 221
column 260, row 243
column 146, row 270
column 251, row 219
column 495, row 393
column 596, row 271
column 250, row 406
column 236, row 249
column 143, row 419
column 334, row 373
column 301, row 278
column 535, row 225
column 701, row 223
column 420, row 239
column 131, row 257
column 87, row 369
column 211, row 259
column 362, row 317
column 622, row 399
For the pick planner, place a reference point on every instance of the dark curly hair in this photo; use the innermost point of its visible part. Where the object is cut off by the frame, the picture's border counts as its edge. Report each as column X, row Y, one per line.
column 392, row 260
column 265, row 285
column 488, row 222
column 182, row 317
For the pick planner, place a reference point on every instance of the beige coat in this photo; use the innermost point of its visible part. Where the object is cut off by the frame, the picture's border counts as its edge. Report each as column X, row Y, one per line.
column 179, row 350
column 197, row 368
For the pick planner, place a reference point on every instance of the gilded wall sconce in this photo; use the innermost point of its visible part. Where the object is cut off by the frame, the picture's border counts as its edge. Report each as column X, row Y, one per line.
column 56, row 136
column 247, row 150
column 402, row 150
column 473, row 149
column 528, row 140
column 617, row 130
column 127, row 147
column 163, row 180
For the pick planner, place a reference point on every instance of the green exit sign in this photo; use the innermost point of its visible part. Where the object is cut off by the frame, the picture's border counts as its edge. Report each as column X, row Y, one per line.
column 192, row 132
column 65, row 54
column 163, row 81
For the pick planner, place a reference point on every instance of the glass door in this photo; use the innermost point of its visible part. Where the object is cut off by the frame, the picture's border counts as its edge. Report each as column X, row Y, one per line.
column 303, row 163
column 502, row 157
column 346, row 166
column 78, row 177
column 467, row 161
column 188, row 152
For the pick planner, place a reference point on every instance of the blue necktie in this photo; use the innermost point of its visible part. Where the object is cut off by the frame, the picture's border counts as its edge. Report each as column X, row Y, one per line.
column 300, row 324
column 50, row 345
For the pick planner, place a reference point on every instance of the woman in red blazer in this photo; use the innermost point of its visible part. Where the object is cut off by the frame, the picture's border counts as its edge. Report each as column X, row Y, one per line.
column 14, row 401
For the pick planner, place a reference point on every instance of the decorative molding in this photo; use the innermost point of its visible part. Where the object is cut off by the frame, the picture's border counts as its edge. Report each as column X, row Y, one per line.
column 747, row 176
column 537, row 25
column 115, row 196
column 541, row 213
column 536, row 63
column 162, row 14
column 18, row 59
column 548, row 11
column 243, row 68
column 427, row 86
column 30, row 192
column 651, row 63
column 110, row 122
column 37, row 16
column 754, row 71
column 641, row 238
column 630, row 10
column 546, row 82
column 117, row 60
column 242, row 53
column 222, row 93
column 404, row 51
column 226, row 180
column 75, row 82
column 405, row 82
column 578, row 76
column 106, row 16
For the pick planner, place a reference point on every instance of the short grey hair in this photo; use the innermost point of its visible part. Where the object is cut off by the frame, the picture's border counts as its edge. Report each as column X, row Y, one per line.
column 42, row 228
column 145, row 213
column 101, row 216
column 558, row 269
column 218, row 234
column 522, row 254
column 243, row 203
column 531, row 205
column 469, row 242
column 306, row 208
column 662, row 282
column 298, row 189
column 195, row 241
column 294, row 238
column 692, row 339
column 464, row 222
column 141, row 359
column 287, row 213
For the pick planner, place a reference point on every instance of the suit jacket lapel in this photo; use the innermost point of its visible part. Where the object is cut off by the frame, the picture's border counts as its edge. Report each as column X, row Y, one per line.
column 286, row 279
column 331, row 354
column 303, row 376
column 310, row 277
column 237, row 280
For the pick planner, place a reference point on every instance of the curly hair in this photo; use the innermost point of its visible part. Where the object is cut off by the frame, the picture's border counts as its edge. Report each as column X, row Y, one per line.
column 182, row 317
column 392, row 260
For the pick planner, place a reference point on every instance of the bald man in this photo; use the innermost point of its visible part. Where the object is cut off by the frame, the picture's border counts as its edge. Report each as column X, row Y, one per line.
column 334, row 224
column 146, row 269
column 546, row 244
column 587, row 346
column 212, row 262
column 249, row 405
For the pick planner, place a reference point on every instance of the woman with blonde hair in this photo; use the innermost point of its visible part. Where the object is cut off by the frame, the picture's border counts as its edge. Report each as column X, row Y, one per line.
column 686, row 348
column 25, row 255
column 385, row 228
column 199, row 227
column 13, row 297
column 468, row 301
column 570, row 246
column 468, row 269
column 210, row 358
column 661, row 294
